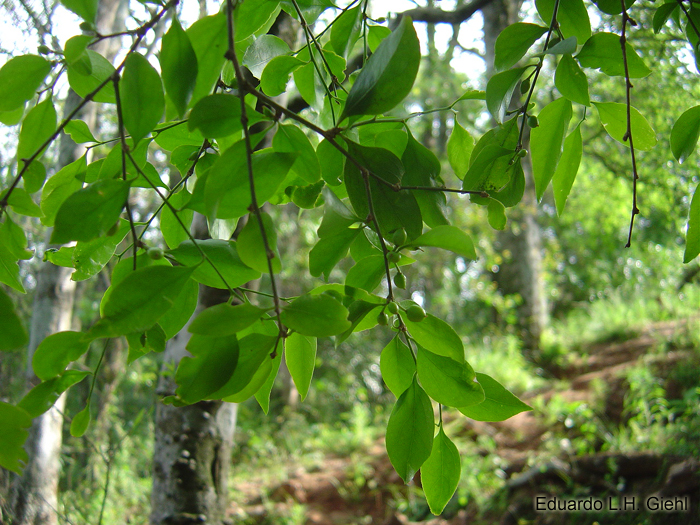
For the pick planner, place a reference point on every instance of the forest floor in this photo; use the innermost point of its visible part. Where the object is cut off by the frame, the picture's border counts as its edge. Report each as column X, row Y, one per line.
column 534, row 457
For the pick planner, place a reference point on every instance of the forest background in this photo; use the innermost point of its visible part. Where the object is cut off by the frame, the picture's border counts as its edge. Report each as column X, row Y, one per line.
column 530, row 297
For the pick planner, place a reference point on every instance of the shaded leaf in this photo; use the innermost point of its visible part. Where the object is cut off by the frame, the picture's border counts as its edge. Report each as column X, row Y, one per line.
column 90, row 212
column 101, row 71
column 13, row 335
column 251, row 245
column 448, row 238
column 513, row 42
column 436, row 336
column 142, row 99
column 56, row 352
column 572, row 17
column 571, row 81
column 14, row 423
column 692, row 238
column 397, row 366
column 547, row 141
column 43, row 396
column 225, row 319
column 38, row 126
column 496, row 215
column 262, row 51
column 81, row 422
column 388, row 75
column 300, row 356
column 316, row 315
column 440, row 473
column 499, row 91
column 409, row 433
column 685, row 134
column 212, row 364
column 178, row 63
column 564, row 176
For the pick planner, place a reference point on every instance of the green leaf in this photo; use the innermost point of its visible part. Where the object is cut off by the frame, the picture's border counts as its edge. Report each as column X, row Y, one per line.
column 436, row 336
column 209, row 39
column 603, row 51
column 397, row 366
column 14, row 239
column 43, row 396
column 447, row 381
column 254, row 350
column 37, row 128
column 251, row 246
column 565, row 47
column 448, row 238
column 409, row 433
column 262, row 396
column 223, row 319
column 692, row 238
column 252, row 15
column 88, row 258
column 613, row 115
column 612, row 7
column 140, row 344
column 101, row 70
column 571, row 81
column 547, row 141
column 9, row 269
column 213, row 362
column 513, row 42
column 75, row 53
column 22, row 202
column 572, row 17
column 79, row 132
column 393, row 209
column 459, row 149
column 13, row 424
column 142, row 99
column 291, row 139
column 499, row 404
column 685, row 134
column 219, row 115
column 275, row 76
column 140, row 299
column 388, row 75
column 85, row 9
column 300, row 355
column 20, row 78
column 499, row 91
column 59, row 187
column 13, row 334
column 662, row 14
column 184, row 305
column 564, row 176
column 223, row 256
column 90, row 212
column 367, row 273
column 81, row 422
column 178, row 63
column 497, row 215
column 262, row 51
column 346, row 30
column 440, row 473
column 423, row 169
column 316, row 316
column 227, row 189
column 34, row 177
column 13, row 117
column 56, row 352
column 328, row 251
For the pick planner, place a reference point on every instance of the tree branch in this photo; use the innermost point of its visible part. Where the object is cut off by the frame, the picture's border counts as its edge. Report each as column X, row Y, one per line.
column 434, row 15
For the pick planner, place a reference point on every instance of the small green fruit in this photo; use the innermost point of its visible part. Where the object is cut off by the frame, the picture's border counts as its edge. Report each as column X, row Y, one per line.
column 400, row 281
column 155, row 253
column 532, row 121
column 393, row 257
column 44, row 50
column 415, row 313
column 522, row 153
column 399, row 237
column 87, row 26
column 382, row 319
column 393, row 308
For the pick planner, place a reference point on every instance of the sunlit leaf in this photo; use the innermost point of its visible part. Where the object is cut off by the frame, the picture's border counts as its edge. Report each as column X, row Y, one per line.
column 447, row 381
column 316, row 315
column 547, row 141
column 141, row 92
column 564, row 176
column 692, row 238
column 498, row 405
column 13, row 335
column 513, row 42
column 20, row 78
column 440, row 473
column 613, row 115
column 300, row 356
column 178, row 63
column 397, row 366
column 14, row 423
column 56, row 352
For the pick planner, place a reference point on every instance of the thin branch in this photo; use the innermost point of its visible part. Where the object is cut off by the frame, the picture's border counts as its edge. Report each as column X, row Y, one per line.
column 687, row 14
column 255, row 208
column 628, row 134
column 434, row 15
column 124, row 147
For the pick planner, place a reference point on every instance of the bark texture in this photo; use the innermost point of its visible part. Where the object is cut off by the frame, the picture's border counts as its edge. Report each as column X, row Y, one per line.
column 193, row 444
column 521, row 242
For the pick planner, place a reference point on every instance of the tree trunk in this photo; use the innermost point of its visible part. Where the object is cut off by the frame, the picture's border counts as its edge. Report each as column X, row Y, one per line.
column 193, row 444
column 521, row 242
